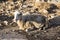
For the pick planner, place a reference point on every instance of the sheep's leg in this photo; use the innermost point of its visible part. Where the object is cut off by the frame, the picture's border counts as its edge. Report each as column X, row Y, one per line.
column 20, row 24
column 37, row 25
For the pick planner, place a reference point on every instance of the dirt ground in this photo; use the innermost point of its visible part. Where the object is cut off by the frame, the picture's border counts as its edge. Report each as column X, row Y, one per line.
column 12, row 33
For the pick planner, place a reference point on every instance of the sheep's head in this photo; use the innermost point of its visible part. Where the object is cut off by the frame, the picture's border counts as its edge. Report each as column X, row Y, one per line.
column 17, row 15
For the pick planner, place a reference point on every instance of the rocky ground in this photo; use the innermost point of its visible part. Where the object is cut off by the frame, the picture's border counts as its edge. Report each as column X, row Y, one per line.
column 10, row 31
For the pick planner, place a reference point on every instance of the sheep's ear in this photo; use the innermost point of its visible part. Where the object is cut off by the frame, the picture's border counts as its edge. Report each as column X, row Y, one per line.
column 20, row 14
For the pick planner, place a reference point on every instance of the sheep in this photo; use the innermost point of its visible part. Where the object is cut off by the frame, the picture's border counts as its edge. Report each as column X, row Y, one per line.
column 28, row 21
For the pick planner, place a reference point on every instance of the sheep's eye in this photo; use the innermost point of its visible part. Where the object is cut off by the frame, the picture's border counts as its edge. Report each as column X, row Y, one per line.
column 20, row 14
